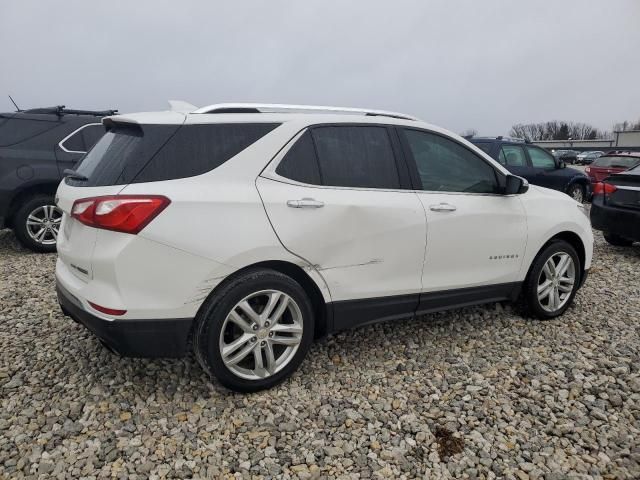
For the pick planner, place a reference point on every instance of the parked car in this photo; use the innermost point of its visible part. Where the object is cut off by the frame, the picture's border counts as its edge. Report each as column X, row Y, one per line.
column 615, row 208
column 587, row 158
column 253, row 232
column 536, row 164
column 611, row 163
column 36, row 146
column 568, row 156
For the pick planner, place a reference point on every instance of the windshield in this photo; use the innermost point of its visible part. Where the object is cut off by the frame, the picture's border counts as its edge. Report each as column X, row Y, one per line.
column 611, row 161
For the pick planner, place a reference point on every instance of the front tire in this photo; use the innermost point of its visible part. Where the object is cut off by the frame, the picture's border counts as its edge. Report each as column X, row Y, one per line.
column 616, row 240
column 37, row 223
column 254, row 331
column 552, row 281
column 577, row 192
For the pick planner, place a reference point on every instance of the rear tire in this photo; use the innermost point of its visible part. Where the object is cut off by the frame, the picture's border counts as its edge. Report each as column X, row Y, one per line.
column 36, row 223
column 544, row 277
column 617, row 240
column 236, row 321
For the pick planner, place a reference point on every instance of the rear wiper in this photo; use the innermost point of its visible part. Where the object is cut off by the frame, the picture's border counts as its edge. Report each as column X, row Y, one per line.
column 75, row 175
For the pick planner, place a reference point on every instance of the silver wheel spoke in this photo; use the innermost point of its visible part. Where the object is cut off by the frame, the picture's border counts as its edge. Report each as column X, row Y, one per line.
column 287, row 328
column 285, row 340
column 237, row 350
column 240, row 322
column 549, row 268
column 249, row 312
column 271, row 360
column 54, row 233
column 33, row 220
column 563, row 265
column 556, row 281
column 544, row 286
column 274, row 298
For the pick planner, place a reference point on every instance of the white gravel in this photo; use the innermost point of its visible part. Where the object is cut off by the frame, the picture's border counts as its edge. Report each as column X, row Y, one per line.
column 515, row 397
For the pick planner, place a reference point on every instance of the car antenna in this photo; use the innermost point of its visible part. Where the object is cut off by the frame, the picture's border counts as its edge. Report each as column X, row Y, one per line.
column 15, row 104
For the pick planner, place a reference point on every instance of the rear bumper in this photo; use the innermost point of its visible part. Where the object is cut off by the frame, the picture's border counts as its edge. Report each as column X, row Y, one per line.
column 618, row 221
column 128, row 337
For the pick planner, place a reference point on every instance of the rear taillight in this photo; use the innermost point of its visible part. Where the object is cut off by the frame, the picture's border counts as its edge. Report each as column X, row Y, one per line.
column 588, row 169
column 122, row 213
column 603, row 188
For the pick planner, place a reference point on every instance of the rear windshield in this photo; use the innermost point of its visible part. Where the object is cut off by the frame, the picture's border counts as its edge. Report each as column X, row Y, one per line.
column 613, row 162
column 130, row 153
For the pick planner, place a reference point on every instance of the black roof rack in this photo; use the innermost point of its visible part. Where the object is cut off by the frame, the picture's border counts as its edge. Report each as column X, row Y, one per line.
column 62, row 110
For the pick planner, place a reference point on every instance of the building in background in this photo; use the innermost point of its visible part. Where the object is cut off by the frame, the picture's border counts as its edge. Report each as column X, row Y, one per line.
column 626, row 140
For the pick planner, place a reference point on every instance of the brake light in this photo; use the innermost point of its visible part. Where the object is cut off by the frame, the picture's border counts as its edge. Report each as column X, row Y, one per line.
column 121, row 213
column 109, row 311
column 588, row 169
column 601, row 188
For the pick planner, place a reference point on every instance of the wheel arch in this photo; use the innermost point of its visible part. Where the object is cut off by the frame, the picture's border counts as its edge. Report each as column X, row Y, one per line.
column 320, row 308
column 44, row 188
column 572, row 239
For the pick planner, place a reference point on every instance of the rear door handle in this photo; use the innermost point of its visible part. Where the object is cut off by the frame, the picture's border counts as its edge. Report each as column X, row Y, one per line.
column 305, row 203
column 443, row 207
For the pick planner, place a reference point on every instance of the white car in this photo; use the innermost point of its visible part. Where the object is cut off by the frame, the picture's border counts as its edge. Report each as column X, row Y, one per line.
column 244, row 231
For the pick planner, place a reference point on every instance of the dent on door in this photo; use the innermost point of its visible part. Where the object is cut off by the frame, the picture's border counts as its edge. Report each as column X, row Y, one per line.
column 364, row 243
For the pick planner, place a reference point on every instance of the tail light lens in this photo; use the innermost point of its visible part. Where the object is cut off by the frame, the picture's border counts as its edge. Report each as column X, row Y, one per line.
column 121, row 213
column 588, row 169
column 601, row 188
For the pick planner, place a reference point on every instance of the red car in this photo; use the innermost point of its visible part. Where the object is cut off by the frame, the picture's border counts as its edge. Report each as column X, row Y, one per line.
column 611, row 163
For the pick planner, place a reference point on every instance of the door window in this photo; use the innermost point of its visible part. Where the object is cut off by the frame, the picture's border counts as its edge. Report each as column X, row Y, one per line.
column 300, row 162
column 512, row 156
column 540, row 158
column 446, row 166
column 356, row 156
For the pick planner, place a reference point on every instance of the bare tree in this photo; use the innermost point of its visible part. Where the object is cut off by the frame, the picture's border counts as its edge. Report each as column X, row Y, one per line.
column 556, row 130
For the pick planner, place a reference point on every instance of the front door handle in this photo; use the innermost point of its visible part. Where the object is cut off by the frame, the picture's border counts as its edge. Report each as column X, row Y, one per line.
column 443, row 207
column 305, row 203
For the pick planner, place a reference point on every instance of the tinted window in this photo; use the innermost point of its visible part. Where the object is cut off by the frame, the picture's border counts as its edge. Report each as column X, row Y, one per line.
column 196, row 149
column 15, row 130
column 300, row 162
column 512, row 156
column 485, row 147
column 446, row 166
column 613, row 161
column 540, row 158
column 84, row 139
column 145, row 153
column 356, row 156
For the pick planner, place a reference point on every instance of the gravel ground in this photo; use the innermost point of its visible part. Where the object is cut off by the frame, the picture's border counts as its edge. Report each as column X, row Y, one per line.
column 473, row 393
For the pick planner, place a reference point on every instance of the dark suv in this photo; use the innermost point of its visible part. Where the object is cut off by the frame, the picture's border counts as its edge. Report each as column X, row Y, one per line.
column 36, row 146
column 536, row 164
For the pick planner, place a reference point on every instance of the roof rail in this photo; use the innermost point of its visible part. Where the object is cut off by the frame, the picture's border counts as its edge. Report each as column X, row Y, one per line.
column 62, row 110
column 283, row 108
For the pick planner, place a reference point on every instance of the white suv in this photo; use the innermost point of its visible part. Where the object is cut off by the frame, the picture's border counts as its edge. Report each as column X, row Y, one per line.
column 245, row 231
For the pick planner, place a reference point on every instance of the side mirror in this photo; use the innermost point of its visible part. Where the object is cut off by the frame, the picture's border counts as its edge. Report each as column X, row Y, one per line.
column 515, row 185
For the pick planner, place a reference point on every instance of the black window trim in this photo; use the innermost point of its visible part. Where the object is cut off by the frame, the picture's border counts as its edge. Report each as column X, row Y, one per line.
column 501, row 177
column 77, row 130
column 403, row 170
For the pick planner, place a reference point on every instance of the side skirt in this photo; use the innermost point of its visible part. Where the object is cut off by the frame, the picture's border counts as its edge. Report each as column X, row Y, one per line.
column 355, row 313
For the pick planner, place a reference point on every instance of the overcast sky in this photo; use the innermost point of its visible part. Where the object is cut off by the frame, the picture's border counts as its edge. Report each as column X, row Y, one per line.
column 458, row 64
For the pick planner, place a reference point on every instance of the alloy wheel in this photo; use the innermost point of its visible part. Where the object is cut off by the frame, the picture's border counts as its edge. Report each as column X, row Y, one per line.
column 261, row 334
column 43, row 224
column 577, row 194
column 556, row 281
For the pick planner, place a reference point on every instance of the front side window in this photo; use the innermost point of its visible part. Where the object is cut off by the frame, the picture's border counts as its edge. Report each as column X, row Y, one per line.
column 540, row 158
column 446, row 166
column 356, row 156
column 512, row 156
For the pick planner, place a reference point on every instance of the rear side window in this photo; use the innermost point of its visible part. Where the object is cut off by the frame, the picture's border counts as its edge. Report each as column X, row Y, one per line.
column 131, row 153
column 17, row 130
column 540, row 158
column 356, row 156
column 300, row 162
column 196, row 149
column 84, row 138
